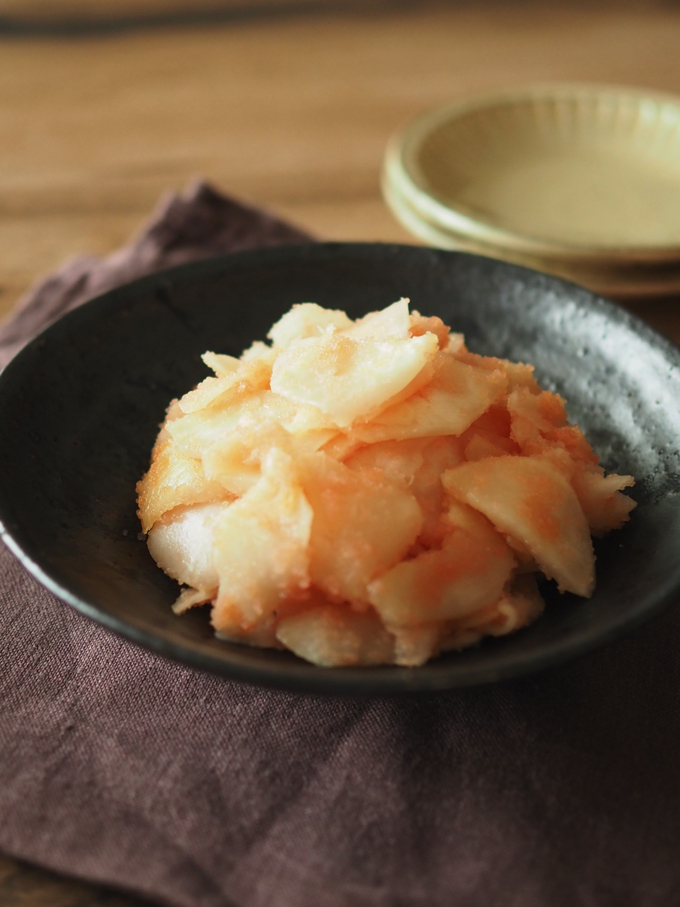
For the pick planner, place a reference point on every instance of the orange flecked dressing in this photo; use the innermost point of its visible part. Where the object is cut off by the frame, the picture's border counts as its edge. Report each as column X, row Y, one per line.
column 368, row 492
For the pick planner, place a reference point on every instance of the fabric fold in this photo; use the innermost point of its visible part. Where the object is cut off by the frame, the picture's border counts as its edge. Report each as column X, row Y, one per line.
column 197, row 224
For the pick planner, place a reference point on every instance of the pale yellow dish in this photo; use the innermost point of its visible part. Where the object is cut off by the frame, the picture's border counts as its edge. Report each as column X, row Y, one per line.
column 578, row 180
column 371, row 492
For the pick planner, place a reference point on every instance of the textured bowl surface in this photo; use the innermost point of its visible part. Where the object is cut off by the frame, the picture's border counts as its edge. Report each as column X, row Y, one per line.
column 567, row 176
column 80, row 409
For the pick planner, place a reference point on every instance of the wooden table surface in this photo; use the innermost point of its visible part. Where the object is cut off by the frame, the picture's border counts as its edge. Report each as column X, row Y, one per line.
column 291, row 112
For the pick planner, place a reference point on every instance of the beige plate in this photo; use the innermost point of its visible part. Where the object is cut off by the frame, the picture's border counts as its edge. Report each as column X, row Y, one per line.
column 581, row 181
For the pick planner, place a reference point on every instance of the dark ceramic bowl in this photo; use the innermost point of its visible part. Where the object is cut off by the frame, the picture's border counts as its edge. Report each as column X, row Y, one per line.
column 80, row 408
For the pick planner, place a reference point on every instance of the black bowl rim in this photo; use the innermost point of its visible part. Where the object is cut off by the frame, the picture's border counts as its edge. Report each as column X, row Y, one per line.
column 297, row 675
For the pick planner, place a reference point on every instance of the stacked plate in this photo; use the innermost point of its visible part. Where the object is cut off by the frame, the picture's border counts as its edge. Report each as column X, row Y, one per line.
column 580, row 181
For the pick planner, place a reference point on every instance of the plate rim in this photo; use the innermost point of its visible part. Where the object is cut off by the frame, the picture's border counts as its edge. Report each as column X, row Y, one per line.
column 400, row 172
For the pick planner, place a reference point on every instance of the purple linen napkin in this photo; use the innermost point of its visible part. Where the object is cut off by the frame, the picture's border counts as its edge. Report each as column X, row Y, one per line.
column 196, row 225
column 119, row 767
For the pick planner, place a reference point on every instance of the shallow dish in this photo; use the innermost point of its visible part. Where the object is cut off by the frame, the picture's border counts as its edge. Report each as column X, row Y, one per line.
column 80, row 408
column 579, row 180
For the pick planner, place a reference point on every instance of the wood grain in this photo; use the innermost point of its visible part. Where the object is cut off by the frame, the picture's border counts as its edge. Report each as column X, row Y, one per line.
column 81, row 13
column 292, row 113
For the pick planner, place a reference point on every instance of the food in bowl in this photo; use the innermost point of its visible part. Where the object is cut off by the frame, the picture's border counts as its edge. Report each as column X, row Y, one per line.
column 371, row 492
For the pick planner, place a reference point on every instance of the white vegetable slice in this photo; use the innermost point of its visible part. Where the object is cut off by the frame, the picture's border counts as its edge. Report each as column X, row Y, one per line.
column 456, row 396
column 336, row 636
column 520, row 604
column 221, row 364
column 235, row 461
column 307, row 320
column 398, row 461
column 189, row 598
column 260, row 548
column 262, row 636
column 348, row 378
column 198, row 431
column 528, row 498
column 362, row 526
column 394, row 321
column 600, row 496
column 182, row 544
column 173, row 480
column 415, row 645
column 466, row 575
column 252, row 375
